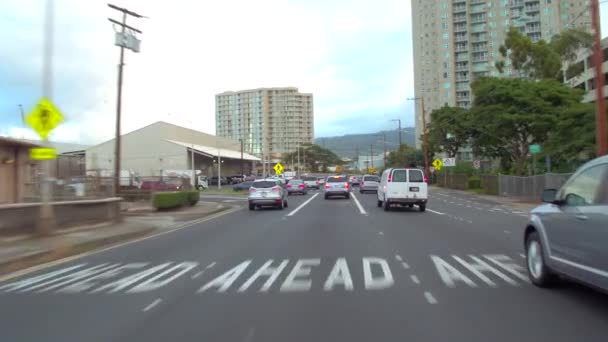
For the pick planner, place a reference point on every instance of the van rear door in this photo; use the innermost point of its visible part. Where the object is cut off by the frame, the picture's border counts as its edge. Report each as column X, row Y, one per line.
column 397, row 184
column 416, row 186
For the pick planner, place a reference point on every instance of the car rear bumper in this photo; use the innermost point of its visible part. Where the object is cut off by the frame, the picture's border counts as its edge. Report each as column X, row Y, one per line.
column 369, row 188
column 265, row 201
column 337, row 193
column 407, row 200
column 296, row 191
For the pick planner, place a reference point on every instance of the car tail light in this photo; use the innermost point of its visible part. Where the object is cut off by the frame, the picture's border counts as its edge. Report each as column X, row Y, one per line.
column 346, row 185
column 276, row 189
column 317, row 182
column 389, row 178
column 252, row 189
column 288, row 186
column 301, row 186
column 426, row 180
column 362, row 183
column 326, row 186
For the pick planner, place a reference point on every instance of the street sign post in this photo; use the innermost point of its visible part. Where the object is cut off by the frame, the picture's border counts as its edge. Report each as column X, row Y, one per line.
column 339, row 168
column 278, row 168
column 371, row 170
column 534, row 149
column 42, row 153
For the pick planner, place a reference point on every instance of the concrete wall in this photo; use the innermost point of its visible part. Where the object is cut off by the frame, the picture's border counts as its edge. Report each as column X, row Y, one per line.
column 22, row 218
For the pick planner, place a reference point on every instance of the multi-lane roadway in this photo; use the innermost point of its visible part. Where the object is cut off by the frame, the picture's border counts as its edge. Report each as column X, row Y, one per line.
column 320, row 270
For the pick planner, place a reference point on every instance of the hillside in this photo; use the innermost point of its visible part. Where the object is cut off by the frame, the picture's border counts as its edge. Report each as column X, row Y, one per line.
column 346, row 145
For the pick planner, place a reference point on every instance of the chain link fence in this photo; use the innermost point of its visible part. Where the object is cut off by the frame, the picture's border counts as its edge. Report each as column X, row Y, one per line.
column 530, row 188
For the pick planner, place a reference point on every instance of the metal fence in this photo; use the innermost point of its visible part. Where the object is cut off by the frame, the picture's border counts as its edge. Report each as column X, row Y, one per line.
column 530, row 188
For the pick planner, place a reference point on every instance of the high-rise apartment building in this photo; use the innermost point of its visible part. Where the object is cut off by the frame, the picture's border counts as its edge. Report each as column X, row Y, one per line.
column 270, row 121
column 456, row 41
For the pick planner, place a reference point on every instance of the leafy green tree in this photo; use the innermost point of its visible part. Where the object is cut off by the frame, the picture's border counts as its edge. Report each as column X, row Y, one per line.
column 404, row 156
column 541, row 60
column 509, row 115
column 447, row 131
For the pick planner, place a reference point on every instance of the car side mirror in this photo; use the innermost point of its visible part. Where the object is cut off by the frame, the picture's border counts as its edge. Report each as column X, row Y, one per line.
column 549, row 195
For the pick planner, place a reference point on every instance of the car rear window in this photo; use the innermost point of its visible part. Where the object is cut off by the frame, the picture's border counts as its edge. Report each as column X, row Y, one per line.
column 264, row 184
column 309, row 178
column 399, row 176
column 416, row 176
column 336, row 179
column 371, row 179
column 296, row 181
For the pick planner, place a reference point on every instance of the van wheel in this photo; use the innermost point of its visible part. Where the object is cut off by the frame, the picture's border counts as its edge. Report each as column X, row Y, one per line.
column 422, row 207
column 347, row 196
column 379, row 204
column 387, row 205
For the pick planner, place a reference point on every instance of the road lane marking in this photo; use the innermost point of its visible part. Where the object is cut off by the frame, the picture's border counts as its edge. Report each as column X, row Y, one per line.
column 522, row 255
column 415, row 279
column 361, row 210
column 210, row 265
column 405, row 265
column 507, row 232
column 398, row 257
column 153, row 304
column 196, row 275
column 430, row 298
column 293, row 212
column 435, row 212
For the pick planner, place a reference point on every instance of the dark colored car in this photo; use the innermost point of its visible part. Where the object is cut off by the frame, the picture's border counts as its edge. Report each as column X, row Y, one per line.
column 213, row 181
column 244, row 186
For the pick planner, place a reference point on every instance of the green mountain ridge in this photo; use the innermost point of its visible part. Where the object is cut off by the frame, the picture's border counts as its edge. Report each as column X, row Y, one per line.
column 347, row 145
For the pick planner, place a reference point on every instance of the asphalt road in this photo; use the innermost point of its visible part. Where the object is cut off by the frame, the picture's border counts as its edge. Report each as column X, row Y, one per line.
column 320, row 270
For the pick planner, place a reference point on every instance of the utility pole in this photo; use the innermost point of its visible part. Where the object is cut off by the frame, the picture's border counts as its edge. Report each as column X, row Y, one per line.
column 400, row 141
column 371, row 154
column 242, row 165
column 384, row 155
column 22, row 114
column 131, row 43
column 357, row 149
column 298, row 172
column 601, row 137
column 425, row 143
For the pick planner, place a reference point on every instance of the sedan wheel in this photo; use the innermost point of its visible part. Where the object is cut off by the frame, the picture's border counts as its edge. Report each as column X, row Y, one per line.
column 387, row 206
column 538, row 272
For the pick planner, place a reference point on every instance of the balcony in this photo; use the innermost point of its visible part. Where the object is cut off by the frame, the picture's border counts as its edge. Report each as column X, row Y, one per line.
column 480, row 67
column 478, row 38
column 478, row 19
column 480, row 48
column 460, row 28
column 459, row 9
column 460, row 18
column 460, row 57
column 478, row 9
column 532, row 9
column 517, row 3
column 462, row 86
column 462, row 68
column 478, row 28
column 462, row 79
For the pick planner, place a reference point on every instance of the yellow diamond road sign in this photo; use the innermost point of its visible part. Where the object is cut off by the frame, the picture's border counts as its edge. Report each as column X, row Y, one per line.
column 372, row 170
column 437, row 163
column 42, row 153
column 44, row 118
column 278, row 168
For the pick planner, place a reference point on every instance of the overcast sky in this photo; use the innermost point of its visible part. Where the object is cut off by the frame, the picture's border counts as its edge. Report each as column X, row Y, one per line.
column 353, row 55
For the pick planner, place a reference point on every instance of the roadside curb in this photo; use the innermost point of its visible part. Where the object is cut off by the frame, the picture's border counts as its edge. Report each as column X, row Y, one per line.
column 38, row 261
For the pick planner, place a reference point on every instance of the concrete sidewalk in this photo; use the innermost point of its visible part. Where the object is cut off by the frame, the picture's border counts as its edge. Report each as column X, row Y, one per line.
column 19, row 252
column 508, row 201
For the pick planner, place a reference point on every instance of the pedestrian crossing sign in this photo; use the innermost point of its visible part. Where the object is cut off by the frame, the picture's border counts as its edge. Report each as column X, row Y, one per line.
column 44, row 118
column 278, row 168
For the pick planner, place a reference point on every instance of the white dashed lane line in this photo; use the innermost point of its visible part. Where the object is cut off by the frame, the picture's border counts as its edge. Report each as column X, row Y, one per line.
column 153, row 304
column 430, row 298
column 415, row 279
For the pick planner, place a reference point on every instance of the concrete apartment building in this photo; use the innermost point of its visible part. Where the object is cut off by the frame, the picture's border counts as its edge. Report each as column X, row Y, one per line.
column 269, row 121
column 458, row 40
column 581, row 73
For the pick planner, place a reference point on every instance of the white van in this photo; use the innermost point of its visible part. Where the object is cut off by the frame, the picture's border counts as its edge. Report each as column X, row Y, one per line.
column 403, row 187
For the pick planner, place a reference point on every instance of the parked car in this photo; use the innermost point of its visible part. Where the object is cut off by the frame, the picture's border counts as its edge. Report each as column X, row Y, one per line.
column 158, row 186
column 337, row 186
column 213, row 181
column 369, row 183
column 311, row 182
column 402, row 187
column 242, row 186
column 267, row 192
column 321, row 181
column 568, row 235
column 296, row 186
column 354, row 181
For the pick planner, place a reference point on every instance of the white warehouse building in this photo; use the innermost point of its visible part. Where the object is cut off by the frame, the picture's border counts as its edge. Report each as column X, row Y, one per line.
column 161, row 146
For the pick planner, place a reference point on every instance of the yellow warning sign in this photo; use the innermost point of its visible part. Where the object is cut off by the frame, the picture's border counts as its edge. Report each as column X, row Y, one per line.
column 278, row 168
column 42, row 153
column 339, row 168
column 372, row 170
column 437, row 163
column 44, row 118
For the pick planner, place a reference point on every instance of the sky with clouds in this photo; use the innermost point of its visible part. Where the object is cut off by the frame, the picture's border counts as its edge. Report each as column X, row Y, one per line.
column 354, row 55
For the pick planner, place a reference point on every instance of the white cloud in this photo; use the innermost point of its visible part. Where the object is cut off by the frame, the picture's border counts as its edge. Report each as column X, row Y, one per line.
column 192, row 50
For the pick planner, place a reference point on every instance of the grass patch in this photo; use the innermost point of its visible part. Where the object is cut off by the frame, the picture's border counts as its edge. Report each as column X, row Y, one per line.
column 224, row 192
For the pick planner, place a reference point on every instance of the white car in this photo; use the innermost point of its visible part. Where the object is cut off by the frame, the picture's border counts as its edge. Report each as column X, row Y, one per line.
column 403, row 187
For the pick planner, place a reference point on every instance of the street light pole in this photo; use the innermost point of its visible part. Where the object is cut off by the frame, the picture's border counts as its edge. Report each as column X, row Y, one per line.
column 601, row 137
column 400, row 141
column 371, row 154
column 242, row 165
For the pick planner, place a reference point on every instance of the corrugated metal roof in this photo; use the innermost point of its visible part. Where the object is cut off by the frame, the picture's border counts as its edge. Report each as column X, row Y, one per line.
column 215, row 151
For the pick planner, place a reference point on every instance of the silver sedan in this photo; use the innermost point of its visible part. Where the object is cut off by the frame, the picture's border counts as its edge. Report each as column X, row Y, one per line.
column 267, row 192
